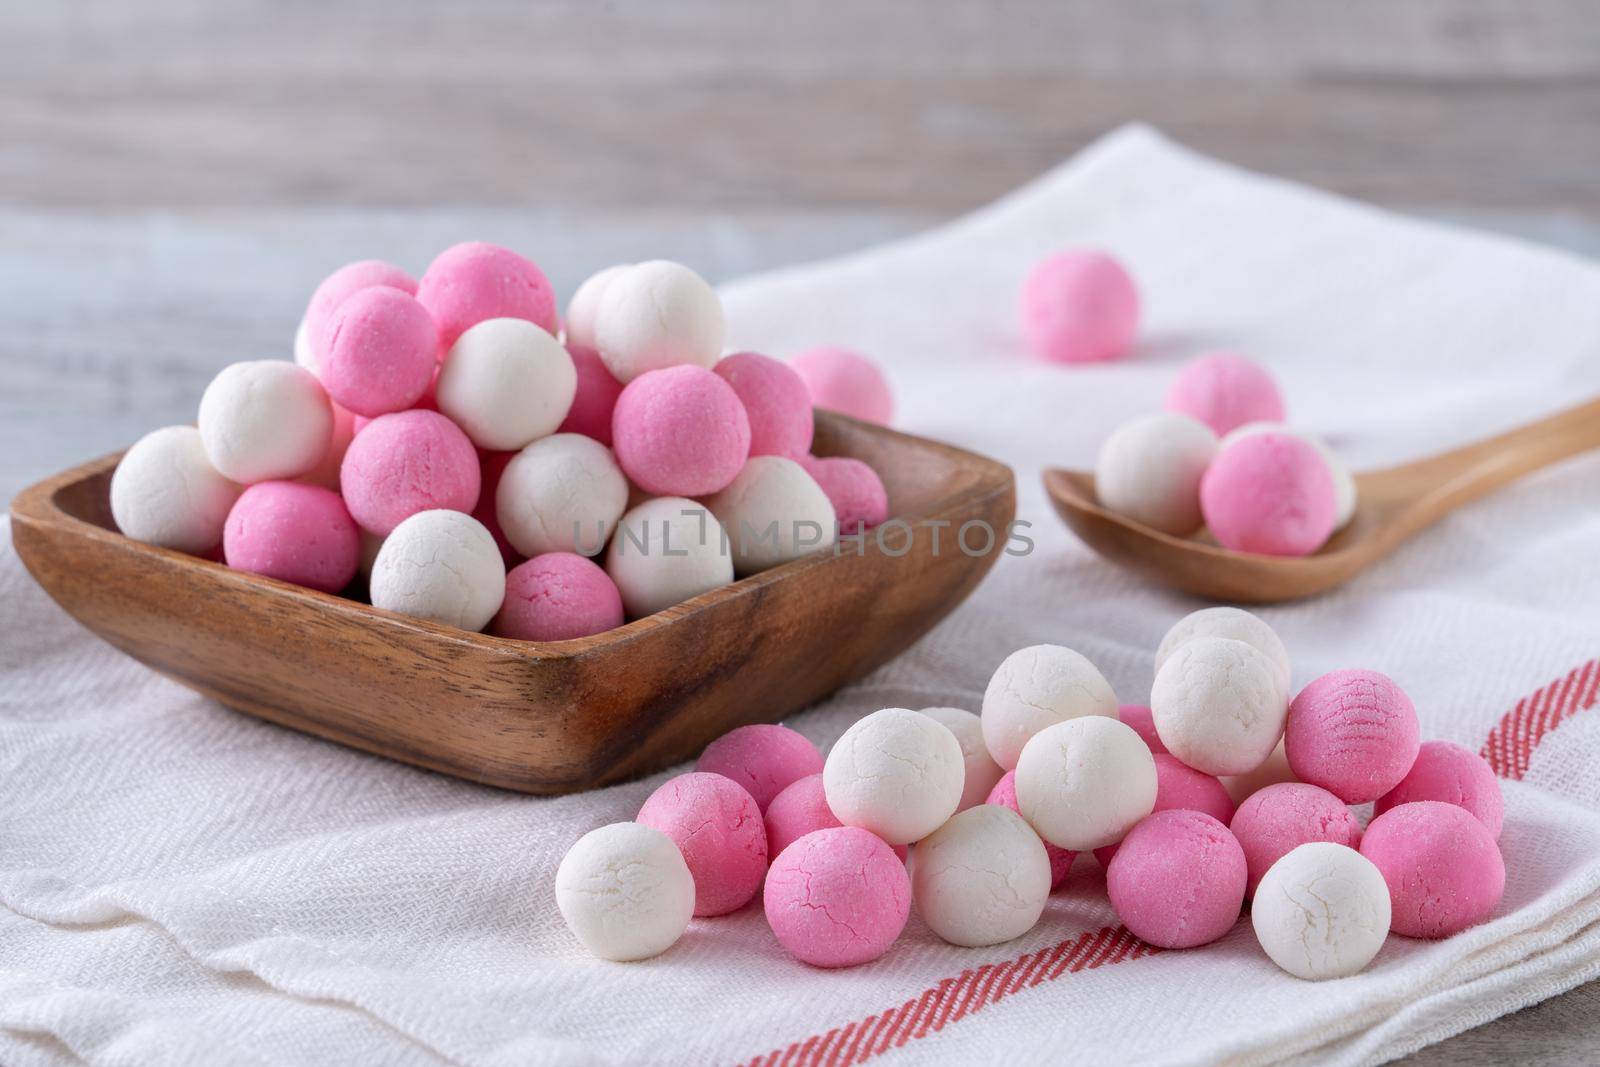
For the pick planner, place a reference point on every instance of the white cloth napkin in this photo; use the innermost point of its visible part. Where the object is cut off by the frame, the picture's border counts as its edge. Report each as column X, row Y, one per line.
column 183, row 885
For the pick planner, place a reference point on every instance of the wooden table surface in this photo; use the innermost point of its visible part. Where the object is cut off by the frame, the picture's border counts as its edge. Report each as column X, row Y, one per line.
column 175, row 176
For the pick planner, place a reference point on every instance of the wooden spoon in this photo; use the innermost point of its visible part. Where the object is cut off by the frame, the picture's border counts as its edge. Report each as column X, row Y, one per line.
column 1391, row 505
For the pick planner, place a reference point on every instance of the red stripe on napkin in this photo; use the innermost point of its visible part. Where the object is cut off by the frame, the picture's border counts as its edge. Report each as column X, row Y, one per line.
column 955, row 998
column 1510, row 747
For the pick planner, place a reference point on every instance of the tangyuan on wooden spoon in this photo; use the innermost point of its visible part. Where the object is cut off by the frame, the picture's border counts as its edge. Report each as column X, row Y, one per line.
column 1393, row 504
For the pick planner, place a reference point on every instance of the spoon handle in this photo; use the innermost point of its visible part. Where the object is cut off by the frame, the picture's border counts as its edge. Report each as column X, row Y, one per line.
column 1446, row 481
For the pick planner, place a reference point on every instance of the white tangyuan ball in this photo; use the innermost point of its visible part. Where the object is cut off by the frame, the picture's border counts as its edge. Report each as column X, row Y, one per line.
column 563, row 493
column 1321, row 911
column 264, row 420
column 625, row 891
column 506, row 383
column 442, row 566
column 1150, row 470
column 897, row 773
column 1084, row 783
column 1036, row 687
column 982, row 772
column 1344, row 484
column 1218, row 706
column 655, row 315
column 666, row 551
column 585, row 305
column 165, row 492
column 981, row 878
column 774, row 512
column 1235, row 623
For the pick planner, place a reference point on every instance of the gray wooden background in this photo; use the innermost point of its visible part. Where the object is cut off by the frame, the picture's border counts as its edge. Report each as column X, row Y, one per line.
column 175, row 175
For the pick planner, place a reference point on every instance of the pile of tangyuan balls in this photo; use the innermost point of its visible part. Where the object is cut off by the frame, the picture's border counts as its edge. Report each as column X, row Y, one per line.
column 486, row 464
column 1222, row 790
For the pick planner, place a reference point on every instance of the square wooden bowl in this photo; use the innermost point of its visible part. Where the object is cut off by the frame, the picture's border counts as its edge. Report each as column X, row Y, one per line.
column 538, row 718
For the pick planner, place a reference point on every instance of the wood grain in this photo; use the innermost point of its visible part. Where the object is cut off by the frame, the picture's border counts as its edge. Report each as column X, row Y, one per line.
column 535, row 717
column 1392, row 505
column 722, row 105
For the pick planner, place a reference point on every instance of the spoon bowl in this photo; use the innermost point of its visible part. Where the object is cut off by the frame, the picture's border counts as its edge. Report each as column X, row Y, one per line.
column 1391, row 505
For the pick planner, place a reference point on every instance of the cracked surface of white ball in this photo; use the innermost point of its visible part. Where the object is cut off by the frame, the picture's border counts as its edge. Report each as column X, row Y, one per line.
column 563, row 493
column 657, row 314
column 897, row 773
column 773, row 512
column 442, row 566
column 1322, row 911
column 264, row 420
column 981, row 878
column 1218, row 706
column 1084, row 783
column 982, row 772
column 507, row 383
column 1150, row 470
column 625, row 891
column 1036, row 687
column 666, row 551
column 165, row 492
column 1234, row 623
column 1344, row 484
column 585, row 305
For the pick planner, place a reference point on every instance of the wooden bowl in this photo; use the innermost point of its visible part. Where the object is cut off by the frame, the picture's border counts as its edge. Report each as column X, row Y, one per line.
column 538, row 718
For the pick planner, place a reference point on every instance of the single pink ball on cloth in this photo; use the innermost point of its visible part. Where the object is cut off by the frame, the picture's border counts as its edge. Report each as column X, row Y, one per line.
column 847, row 382
column 1354, row 733
column 802, row 809
column 1004, row 793
column 1079, row 307
column 408, row 462
column 775, row 399
column 716, row 826
column 1178, row 880
column 1453, row 774
column 680, row 431
column 1269, row 493
column 491, row 466
column 1443, row 868
column 1274, row 821
column 596, row 397
column 1142, row 720
column 763, row 758
column 471, row 282
column 1225, row 391
column 1179, row 787
column 837, row 897
column 346, row 281
column 381, row 352
column 854, row 489
column 557, row 597
column 293, row 532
